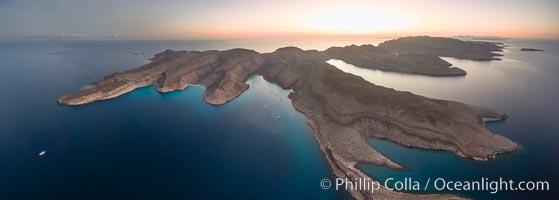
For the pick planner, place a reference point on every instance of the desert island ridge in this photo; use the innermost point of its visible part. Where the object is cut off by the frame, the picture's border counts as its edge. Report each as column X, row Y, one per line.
column 343, row 109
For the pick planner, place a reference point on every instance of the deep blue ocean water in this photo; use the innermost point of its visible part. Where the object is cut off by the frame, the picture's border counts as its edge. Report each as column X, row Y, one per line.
column 147, row 145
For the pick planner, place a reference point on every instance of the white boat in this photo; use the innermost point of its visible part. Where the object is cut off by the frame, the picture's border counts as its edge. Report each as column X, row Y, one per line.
column 278, row 117
column 42, row 153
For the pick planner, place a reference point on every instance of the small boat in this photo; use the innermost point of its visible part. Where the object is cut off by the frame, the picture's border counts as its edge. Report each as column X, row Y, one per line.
column 138, row 53
column 278, row 117
column 42, row 153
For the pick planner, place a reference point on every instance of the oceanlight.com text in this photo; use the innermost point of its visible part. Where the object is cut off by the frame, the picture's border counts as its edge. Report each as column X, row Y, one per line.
column 435, row 184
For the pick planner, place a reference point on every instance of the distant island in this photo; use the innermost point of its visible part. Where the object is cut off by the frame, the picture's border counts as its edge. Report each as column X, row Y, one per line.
column 446, row 47
column 371, row 57
column 343, row 109
column 530, row 49
column 471, row 37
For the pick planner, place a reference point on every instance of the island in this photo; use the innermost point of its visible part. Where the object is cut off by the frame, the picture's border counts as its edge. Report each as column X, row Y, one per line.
column 530, row 49
column 446, row 47
column 371, row 57
column 343, row 109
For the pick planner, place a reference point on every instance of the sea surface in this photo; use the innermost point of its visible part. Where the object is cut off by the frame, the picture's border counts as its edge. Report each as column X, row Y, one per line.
column 148, row 145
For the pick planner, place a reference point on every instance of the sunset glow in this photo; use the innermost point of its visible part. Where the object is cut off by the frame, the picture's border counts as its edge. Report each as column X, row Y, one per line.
column 271, row 19
column 356, row 21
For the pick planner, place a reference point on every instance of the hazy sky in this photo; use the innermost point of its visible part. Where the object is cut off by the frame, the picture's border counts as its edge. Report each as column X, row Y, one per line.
column 277, row 19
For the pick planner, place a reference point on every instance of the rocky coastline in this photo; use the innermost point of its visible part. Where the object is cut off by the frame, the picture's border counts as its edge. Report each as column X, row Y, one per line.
column 371, row 57
column 343, row 109
column 530, row 49
column 445, row 47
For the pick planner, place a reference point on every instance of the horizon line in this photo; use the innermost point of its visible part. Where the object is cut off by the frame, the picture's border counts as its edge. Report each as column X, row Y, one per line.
column 284, row 37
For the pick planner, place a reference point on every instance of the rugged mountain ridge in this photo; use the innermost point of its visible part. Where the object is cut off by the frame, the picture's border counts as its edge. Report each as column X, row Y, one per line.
column 446, row 47
column 343, row 109
column 369, row 56
column 223, row 73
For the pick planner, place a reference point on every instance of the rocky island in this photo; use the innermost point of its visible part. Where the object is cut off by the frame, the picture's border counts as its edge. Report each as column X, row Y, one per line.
column 343, row 109
column 371, row 57
column 446, row 47
column 530, row 49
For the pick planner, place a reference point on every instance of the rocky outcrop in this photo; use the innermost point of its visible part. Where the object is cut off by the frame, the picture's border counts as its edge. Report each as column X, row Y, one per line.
column 402, row 117
column 223, row 73
column 530, row 49
column 343, row 109
column 446, row 47
column 369, row 56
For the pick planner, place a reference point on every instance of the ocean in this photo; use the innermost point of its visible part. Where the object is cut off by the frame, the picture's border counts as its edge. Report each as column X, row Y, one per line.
column 148, row 145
